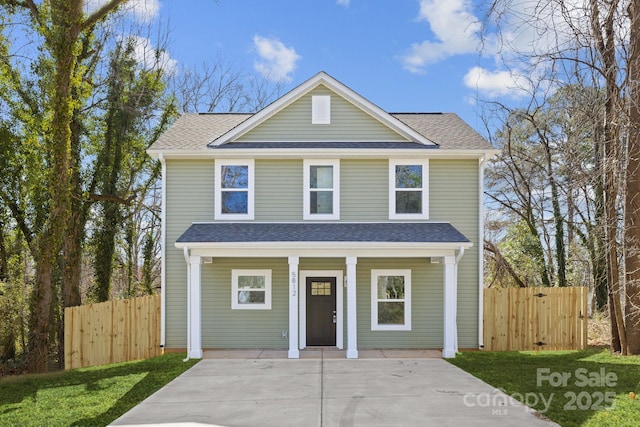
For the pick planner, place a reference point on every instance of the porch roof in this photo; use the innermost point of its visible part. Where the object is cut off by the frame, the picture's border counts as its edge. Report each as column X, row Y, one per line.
column 387, row 232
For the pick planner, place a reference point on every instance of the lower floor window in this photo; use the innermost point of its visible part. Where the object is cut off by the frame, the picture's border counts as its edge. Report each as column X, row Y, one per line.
column 251, row 289
column 391, row 300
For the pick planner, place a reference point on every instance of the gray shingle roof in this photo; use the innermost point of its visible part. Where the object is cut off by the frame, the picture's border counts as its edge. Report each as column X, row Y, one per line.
column 423, row 232
column 446, row 129
column 195, row 131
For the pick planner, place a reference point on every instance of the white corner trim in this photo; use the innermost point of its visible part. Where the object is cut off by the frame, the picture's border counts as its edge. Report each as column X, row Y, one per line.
column 163, row 250
column 482, row 165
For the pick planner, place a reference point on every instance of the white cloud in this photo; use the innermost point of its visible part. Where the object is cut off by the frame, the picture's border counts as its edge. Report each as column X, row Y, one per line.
column 142, row 10
column 344, row 3
column 456, row 31
column 150, row 58
column 277, row 61
column 497, row 83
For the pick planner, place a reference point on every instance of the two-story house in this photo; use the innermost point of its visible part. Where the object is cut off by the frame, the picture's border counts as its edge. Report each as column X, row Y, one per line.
column 321, row 220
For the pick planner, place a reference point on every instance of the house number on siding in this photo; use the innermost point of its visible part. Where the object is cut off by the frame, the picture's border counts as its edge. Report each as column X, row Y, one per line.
column 294, row 290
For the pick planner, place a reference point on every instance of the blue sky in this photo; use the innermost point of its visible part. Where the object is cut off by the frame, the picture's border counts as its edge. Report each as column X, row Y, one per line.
column 403, row 55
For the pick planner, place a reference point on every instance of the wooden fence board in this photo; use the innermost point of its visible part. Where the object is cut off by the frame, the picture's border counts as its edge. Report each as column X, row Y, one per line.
column 517, row 319
column 112, row 332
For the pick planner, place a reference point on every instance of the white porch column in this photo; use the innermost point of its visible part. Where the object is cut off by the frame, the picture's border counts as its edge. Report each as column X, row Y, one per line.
column 195, row 320
column 450, row 307
column 294, row 348
column 352, row 324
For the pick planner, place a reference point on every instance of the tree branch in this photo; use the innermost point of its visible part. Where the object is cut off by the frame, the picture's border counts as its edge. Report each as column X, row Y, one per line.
column 101, row 13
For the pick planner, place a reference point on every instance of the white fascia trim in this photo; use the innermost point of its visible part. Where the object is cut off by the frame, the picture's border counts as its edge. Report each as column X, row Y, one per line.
column 322, row 78
column 324, row 249
column 319, row 153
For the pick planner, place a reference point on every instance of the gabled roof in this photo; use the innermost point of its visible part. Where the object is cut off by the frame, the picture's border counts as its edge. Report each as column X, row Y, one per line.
column 193, row 132
column 334, row 85
column 197, row 134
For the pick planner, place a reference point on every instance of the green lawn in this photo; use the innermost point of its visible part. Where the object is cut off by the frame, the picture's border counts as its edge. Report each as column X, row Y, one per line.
column 85, row 397
column 573, row 388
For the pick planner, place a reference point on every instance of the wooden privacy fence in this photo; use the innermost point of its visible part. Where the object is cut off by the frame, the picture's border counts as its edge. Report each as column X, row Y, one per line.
column 112, row 332
column 518, row 319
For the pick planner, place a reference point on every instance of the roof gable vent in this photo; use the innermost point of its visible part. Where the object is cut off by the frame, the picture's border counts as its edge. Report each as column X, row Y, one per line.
column 321, row 110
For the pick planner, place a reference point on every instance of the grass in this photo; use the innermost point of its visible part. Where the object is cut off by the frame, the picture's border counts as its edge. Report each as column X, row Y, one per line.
column 594, row 380
column 85, row 397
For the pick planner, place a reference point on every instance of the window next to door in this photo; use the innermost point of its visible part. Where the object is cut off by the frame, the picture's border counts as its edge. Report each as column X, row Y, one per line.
column 390, row 300
column 251, row 289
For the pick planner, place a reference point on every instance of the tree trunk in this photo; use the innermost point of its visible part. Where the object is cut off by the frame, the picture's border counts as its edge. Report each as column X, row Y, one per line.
column 61, row 40
column 632, row 196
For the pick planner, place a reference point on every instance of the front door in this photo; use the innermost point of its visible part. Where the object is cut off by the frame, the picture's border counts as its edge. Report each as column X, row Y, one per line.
column 321, row 311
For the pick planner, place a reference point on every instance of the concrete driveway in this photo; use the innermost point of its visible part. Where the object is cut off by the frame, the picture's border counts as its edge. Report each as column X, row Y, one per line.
column 329, row 392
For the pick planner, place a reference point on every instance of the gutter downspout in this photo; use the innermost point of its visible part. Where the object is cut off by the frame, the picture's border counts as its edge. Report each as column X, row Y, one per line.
column 483, row 163
column 163, row 251
column 186, row 258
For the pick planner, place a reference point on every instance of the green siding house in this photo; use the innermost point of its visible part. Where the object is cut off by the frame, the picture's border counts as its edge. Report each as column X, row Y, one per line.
column 321, row 220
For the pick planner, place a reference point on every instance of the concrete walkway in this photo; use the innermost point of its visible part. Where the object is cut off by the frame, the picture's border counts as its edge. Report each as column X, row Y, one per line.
column 318, row 390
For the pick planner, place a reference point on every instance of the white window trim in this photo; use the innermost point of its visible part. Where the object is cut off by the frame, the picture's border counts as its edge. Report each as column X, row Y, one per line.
column 307, row 163
column 234, row 289
column 392, row 189
column 407, row 300
column 218, row 190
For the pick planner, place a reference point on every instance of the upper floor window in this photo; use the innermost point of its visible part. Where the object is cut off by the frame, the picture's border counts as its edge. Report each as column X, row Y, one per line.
column 321, row 189
column 408, row 189
column 234, row 183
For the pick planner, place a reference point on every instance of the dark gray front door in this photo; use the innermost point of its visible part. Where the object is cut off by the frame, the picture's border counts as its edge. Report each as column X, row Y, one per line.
column 321, row 311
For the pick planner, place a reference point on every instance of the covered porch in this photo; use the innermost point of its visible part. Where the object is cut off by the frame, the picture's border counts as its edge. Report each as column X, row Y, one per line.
column 430, row 243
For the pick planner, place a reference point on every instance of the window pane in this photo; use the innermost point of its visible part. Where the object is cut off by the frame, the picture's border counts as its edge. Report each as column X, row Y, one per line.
column 391, row 313
column 409, row 202
column 321, row 202
column 408, row 176
column 321, row 288
column 390, row 287
column 235, row 177
column 253, row 282
column 321, row 177
column 251, row 297
column 235, row 202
